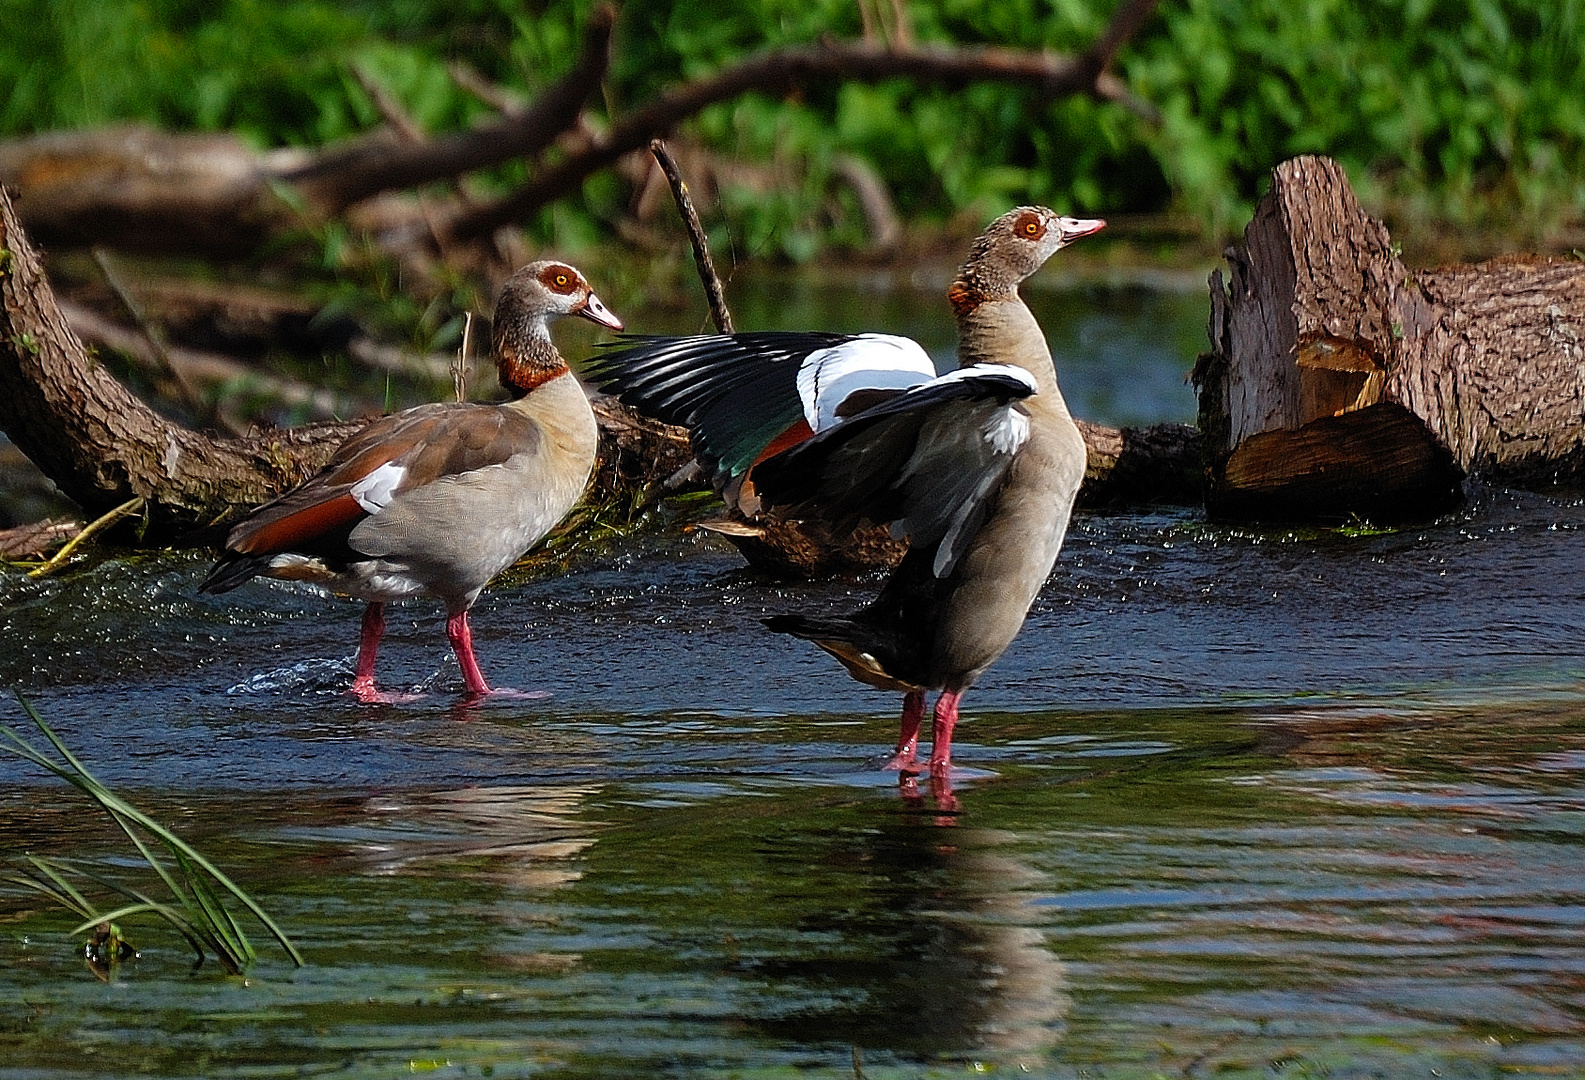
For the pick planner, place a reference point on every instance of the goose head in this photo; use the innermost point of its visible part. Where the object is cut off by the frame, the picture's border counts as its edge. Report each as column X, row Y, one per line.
column 535, row 294
column 1012, row 248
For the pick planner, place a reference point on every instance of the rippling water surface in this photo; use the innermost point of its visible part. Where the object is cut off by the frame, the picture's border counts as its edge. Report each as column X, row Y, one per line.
column 1237, row 803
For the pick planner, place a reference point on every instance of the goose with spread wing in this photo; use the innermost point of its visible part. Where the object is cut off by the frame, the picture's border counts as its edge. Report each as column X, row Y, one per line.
column 977, row 468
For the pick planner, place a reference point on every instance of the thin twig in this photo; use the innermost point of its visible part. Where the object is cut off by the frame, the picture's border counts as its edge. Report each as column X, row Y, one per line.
column 713, row 291
column 1124, row 24
column 390, row 109
column 131, row 506
column 459, row 366
column 189, row 393
column 499, row 98
column 886, row 231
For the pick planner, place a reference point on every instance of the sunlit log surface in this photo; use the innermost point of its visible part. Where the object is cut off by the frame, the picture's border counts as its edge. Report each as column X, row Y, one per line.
column 1342, row 384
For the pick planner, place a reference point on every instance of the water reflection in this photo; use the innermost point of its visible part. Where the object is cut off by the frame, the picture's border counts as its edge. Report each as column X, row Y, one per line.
column 1237, row 802
column 1349, row 887
column 846, row 925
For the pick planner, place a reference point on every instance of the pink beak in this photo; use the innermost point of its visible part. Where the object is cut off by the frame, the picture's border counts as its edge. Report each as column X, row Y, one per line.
column 596, row 312
column 1073, row 228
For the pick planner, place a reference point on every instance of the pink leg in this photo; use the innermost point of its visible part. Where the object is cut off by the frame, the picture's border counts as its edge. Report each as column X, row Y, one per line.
column 462, row 644
column 908, row 732
column 941, row 735
column 368, row 645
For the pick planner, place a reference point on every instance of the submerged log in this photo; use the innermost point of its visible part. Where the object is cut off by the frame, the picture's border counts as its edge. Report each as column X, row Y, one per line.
column 1340, row 384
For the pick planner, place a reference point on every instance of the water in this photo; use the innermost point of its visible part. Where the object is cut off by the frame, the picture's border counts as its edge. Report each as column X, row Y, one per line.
column 1240, row 803
column 1123, row 347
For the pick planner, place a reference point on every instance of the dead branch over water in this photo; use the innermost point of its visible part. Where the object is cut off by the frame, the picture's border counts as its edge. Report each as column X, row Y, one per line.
column 210, row 194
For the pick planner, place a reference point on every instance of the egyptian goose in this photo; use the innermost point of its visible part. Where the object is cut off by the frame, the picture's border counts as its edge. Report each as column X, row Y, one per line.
column 978, row 468
column 441, row 498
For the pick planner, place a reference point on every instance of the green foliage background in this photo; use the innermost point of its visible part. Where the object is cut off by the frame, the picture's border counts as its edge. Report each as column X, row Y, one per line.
column 1461, row 113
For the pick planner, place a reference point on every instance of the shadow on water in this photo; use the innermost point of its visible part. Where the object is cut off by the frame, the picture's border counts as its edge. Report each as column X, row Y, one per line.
column 1248, row 803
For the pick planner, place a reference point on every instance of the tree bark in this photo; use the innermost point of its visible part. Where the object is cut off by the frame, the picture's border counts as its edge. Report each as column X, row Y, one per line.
column 1160, row 464
column 101, row 444
column 1339, row 384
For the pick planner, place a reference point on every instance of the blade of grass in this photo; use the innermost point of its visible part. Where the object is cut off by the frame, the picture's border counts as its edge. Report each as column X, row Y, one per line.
column 38, row 886
column 217, row 916
column 49, row 867
column 120, row 913
column 79, row 776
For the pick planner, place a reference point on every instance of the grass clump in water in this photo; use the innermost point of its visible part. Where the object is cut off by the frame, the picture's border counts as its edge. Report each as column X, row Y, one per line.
column 197, row 909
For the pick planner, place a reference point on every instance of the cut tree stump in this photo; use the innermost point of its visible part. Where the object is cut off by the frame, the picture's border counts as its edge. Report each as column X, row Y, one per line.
column 1340, row 384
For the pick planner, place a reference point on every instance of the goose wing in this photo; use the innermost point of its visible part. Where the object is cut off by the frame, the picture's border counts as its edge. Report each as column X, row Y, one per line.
column 928, row 459
column 394, row 456
column 745, row 397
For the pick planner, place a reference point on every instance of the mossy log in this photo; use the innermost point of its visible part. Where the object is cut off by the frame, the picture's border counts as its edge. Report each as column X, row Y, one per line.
column 100, row 443
column 1340, row 384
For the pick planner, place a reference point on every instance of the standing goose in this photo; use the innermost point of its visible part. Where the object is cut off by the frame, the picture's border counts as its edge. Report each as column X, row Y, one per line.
column 977, row 468
column 441, row 498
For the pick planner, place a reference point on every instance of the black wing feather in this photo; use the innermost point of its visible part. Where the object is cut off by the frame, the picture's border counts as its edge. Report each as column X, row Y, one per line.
column 860, row 469
column 734, row 393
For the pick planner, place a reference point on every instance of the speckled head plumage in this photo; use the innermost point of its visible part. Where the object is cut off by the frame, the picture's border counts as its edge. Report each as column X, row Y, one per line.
column 1010, row 249
column 525, row 357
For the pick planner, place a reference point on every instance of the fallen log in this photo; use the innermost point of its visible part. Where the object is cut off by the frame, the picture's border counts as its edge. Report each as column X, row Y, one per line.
column 210, row 194
column 147, row 191
column 1340, row 384
column 99, row 442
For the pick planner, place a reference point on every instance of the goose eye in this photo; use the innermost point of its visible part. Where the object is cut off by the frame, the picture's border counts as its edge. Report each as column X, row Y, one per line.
column 1031, row 228
column 561, row 279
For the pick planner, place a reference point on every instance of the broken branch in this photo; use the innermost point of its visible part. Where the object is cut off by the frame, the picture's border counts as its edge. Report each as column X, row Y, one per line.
column 701, row 244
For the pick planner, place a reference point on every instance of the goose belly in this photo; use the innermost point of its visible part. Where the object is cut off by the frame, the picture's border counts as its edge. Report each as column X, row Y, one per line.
column 452, row 537
column 1010, row 559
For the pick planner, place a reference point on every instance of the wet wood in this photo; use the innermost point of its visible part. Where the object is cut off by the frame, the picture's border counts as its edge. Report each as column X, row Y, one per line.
column 1158, row 465
column 1340, row 384
column 32, row 541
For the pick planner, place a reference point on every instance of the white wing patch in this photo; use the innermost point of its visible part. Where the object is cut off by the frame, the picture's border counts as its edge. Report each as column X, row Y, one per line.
column 1007, row 429
column 976, row 370
column 376, row 490
column 866, row 362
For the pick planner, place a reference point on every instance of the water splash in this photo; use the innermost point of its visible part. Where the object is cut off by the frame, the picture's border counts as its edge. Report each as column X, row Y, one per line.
column 317, row 676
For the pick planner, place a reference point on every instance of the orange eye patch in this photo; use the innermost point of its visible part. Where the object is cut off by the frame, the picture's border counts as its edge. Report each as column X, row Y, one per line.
column 562, row 279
